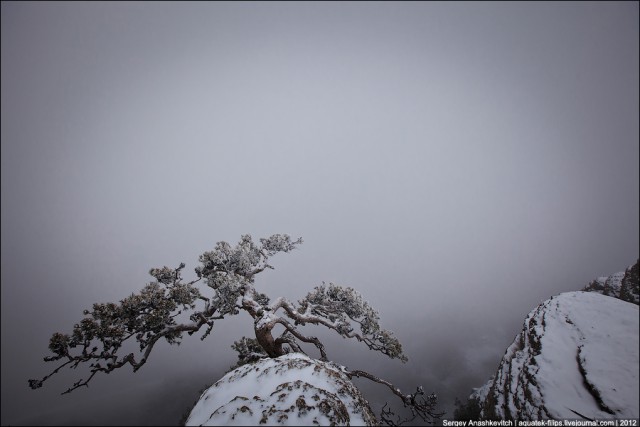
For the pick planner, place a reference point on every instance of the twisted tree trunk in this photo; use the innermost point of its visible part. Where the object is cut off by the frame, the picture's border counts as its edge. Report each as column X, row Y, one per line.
column 268, row 343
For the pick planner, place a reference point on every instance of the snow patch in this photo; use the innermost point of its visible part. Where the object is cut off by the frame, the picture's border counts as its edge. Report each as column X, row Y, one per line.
column 290, row 390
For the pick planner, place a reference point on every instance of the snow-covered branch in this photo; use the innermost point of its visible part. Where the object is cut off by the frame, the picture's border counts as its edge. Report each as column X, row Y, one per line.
column 340, row 309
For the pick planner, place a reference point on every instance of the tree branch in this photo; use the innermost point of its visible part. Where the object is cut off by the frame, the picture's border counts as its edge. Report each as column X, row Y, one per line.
column 421, row 406
column 312, row 340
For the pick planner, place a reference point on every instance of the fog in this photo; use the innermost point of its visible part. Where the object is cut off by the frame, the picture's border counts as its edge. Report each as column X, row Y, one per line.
column 456, row 163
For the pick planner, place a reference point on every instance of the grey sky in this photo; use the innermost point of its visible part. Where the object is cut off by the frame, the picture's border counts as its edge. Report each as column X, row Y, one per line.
column 457, row 163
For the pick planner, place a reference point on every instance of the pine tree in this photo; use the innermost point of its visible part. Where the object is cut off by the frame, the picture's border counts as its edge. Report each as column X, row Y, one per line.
column 229, row 275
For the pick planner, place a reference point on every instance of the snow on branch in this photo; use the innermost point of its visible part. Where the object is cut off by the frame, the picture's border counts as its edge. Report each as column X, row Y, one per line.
column 340, row 309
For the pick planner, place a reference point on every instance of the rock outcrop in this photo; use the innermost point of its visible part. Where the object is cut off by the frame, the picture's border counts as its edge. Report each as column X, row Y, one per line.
column 575, row 358
column 290, row 390
column 623, row 285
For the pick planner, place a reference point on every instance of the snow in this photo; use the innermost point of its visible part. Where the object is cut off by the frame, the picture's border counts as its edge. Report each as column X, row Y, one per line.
column 577, row 356
column 607, row 336
column 290, row 390
column 267, row 319
column 481, row 393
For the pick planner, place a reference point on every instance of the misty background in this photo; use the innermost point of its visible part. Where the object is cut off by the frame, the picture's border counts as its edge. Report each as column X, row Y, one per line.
column 457, row 163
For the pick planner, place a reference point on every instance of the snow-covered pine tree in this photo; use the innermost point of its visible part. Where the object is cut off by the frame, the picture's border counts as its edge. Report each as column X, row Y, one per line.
column 229, row 273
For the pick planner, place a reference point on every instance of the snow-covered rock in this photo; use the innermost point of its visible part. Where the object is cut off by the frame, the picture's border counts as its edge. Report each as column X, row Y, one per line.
column 623, row 285
column 290, row 390
column 576, row 357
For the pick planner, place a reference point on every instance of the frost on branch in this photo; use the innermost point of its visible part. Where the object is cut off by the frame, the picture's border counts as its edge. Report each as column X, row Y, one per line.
column 279, row 243
column 146, row 316
column 243, row 261
column 342, row 307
